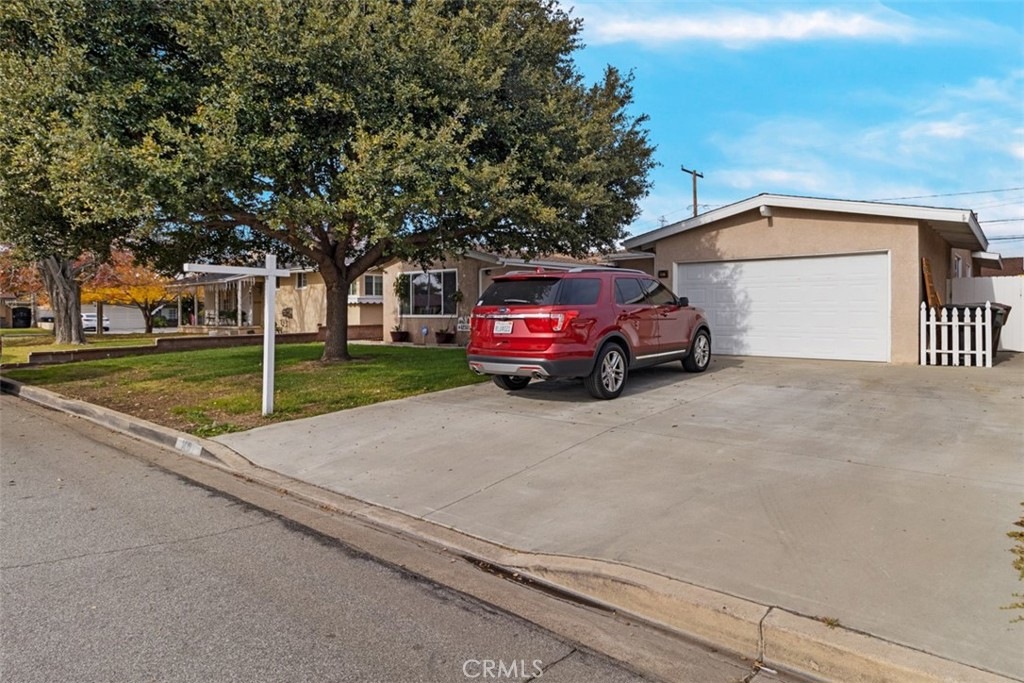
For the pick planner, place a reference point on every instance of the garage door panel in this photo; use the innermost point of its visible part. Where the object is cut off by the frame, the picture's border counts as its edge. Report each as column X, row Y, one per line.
column 817, row 307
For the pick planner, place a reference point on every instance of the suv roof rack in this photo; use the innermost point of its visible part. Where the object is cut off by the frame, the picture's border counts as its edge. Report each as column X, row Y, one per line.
column 582, row 269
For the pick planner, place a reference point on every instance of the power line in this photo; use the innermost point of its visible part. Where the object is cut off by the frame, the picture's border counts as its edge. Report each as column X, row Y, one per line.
column 1003, row 220
column 948, row 194
column 1004, row 238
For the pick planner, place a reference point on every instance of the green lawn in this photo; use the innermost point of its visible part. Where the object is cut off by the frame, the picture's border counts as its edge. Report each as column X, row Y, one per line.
column 215, row 391
column 18, row 343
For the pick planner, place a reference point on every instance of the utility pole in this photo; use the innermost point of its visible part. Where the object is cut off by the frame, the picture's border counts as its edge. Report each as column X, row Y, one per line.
column 695, row 176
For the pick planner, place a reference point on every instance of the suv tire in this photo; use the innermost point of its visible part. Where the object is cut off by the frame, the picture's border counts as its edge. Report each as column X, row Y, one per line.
column 700, row 353
column 511, row 382
column 608, row 378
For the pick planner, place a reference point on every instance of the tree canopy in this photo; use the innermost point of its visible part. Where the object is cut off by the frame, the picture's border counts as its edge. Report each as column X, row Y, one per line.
column 350, row 134
column 363, row 132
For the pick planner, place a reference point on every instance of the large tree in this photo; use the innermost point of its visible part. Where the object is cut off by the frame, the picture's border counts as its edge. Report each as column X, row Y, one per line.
column 80, row 82
column 359, row 132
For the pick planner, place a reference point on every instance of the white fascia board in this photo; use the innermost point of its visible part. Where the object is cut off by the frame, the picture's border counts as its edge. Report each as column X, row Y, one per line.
column 482, row 256
column 926, row 213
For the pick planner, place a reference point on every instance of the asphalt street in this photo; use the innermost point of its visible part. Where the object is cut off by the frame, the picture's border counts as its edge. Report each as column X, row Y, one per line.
column 116, row 570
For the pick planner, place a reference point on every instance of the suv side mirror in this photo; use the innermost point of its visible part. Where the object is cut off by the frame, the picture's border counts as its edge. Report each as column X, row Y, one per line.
column 684, row 301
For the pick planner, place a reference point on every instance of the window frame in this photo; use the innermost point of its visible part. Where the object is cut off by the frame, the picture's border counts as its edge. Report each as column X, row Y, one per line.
column 406, row 304
column 368, row 291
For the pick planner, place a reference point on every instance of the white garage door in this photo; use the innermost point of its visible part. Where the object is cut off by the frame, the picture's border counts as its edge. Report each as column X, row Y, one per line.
column 834, row 307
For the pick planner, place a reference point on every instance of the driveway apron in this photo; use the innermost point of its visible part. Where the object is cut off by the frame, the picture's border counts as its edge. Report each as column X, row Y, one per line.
column 878, row 495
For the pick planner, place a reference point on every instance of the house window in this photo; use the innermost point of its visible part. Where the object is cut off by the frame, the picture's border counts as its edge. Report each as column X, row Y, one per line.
column 301, row 281
column 430, row 293
column 373, row 285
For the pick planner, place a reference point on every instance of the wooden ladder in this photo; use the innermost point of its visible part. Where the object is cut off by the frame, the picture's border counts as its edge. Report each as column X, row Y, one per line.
column 929, row 285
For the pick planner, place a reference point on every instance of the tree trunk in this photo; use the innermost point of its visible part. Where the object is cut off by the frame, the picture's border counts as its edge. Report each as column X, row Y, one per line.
column 336, row 344
column 59, row 279
column 147, row 315
column 99, row 318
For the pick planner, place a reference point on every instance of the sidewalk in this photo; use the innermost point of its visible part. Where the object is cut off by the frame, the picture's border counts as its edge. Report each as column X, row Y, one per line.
column 873, row 496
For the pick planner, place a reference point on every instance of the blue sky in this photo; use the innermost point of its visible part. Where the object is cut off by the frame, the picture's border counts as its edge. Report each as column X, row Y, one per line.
column 862, row 100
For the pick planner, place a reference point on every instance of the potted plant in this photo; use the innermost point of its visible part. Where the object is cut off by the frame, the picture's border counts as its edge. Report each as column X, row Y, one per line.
column 401, row 289
column 446, row 334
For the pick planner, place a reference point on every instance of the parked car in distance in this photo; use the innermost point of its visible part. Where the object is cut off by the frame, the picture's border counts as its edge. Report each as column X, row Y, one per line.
column 596, row 323
column 89, row 322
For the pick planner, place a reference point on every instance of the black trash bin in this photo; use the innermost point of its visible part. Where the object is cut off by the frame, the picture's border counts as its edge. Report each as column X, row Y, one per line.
column 1000, row 312
column 21, row 316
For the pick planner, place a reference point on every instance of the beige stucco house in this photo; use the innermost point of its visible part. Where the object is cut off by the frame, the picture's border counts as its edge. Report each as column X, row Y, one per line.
column 814, row 278
column 301, row 303
column 433, row 305
column 441, row 296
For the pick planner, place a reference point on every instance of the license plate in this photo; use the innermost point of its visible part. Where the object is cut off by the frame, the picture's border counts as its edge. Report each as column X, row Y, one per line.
column 502, row 327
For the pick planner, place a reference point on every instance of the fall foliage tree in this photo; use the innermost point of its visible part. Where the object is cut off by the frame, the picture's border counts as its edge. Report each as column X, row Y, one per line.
column 19, row 276
column 122, row 280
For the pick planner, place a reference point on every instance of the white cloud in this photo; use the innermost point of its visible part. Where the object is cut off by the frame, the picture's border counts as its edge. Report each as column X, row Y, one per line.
column 738, row 28
column 949, row 130
column 755, row 180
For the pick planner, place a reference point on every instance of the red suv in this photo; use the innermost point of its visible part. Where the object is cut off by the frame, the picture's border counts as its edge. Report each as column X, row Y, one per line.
column 590, row 322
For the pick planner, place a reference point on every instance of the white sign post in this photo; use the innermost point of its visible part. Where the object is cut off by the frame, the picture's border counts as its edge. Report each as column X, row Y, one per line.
column 270, row 273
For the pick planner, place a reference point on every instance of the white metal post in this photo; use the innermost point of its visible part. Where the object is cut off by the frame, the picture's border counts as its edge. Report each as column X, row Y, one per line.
column 269, row 296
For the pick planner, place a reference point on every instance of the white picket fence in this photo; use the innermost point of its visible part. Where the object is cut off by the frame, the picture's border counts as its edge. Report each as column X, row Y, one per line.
column 948, row 340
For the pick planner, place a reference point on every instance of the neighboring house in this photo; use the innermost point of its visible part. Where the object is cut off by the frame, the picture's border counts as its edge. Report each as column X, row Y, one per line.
column 814, row 278
column 122, row 318
column 7, row 304
column 1011, row 267
column 212, row 303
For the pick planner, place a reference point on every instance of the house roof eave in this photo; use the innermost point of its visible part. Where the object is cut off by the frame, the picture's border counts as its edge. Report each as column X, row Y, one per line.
column 961, row 224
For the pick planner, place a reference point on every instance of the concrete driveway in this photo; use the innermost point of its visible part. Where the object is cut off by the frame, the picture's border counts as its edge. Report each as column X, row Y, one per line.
column 877, row 495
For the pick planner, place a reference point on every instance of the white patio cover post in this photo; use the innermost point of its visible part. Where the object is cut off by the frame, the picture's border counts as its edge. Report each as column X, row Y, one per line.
column 269, row 273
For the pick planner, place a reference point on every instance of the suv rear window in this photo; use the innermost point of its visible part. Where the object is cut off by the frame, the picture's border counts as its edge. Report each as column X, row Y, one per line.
column 542, row 291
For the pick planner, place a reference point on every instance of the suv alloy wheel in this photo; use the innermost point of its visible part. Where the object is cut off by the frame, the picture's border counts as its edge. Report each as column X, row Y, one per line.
column 608, row 378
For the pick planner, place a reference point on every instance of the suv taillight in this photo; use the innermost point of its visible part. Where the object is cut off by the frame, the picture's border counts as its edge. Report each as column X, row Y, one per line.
column 553, row 322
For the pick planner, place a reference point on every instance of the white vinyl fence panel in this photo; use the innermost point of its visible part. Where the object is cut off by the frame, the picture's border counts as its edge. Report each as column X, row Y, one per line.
column 1001, row 290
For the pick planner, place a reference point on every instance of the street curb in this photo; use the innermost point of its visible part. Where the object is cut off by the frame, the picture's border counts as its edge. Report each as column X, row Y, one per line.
column 769, row 636
column 126, row 424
